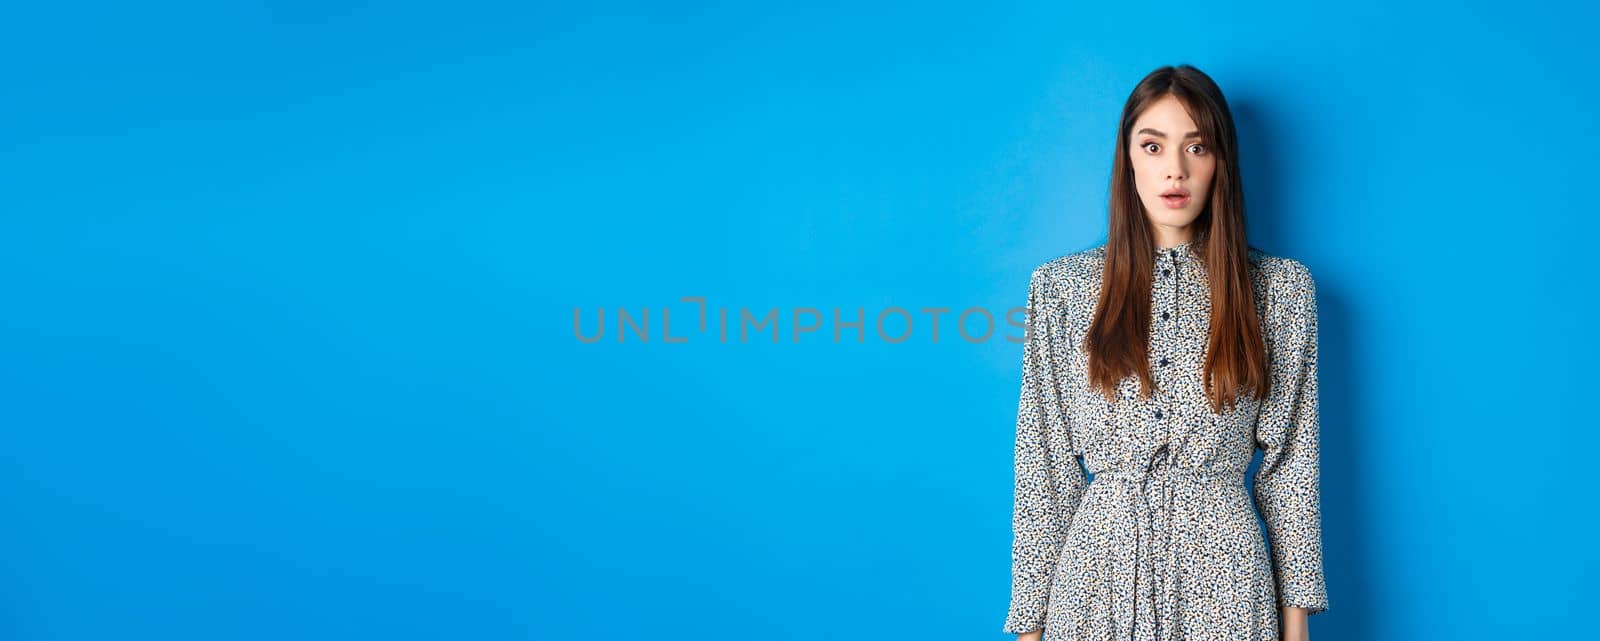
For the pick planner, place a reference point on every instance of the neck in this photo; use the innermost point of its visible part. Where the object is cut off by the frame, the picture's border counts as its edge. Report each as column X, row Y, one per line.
column 1168, row 237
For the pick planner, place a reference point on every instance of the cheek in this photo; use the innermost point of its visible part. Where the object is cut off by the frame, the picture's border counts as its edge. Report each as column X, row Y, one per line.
column 1142, row 171
column 1204, row 175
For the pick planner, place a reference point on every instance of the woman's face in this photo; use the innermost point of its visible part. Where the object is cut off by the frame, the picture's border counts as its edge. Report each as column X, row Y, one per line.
column 1166, row 153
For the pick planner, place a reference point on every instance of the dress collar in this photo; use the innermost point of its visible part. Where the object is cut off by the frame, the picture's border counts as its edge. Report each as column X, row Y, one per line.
column 1180, row 251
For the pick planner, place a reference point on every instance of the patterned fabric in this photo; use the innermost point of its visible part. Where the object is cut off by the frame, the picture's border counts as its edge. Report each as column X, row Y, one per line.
column 1162, row 542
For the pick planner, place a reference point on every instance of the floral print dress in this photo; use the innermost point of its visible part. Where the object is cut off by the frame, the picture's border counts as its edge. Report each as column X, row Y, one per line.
column 1152, row 537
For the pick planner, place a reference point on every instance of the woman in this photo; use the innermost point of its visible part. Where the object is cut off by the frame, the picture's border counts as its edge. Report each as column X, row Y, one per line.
column 1162, row 358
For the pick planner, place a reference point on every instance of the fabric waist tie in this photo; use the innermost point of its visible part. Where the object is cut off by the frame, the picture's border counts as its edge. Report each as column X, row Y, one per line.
column 1202, row 475
column 1145, row 594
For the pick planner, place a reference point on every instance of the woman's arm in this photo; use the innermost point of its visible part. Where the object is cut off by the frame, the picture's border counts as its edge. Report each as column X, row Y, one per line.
column 1046, row 493
column 1287, row 486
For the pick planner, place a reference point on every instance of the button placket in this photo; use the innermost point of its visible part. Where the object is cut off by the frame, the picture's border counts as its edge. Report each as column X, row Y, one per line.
column 1170, row 260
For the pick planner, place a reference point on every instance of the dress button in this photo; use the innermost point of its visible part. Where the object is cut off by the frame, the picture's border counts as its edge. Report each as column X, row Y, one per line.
column 1165, row 316
column 1158, row 413
column 1163, row 361
column 1165, row 271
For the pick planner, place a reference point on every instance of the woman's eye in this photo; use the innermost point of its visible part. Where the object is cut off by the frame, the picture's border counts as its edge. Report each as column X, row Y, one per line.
column 1201, row 146
column 1148, row 145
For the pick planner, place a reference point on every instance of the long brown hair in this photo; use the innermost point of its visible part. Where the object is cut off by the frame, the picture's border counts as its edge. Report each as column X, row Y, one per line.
column 1117, row 341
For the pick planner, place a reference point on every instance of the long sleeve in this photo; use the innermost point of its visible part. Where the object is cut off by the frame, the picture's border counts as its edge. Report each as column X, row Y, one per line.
column 1049, row 480
column 1287, row 488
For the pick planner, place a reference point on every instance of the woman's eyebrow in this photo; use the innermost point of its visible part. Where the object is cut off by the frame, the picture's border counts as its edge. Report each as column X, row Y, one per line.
column 1158, row 134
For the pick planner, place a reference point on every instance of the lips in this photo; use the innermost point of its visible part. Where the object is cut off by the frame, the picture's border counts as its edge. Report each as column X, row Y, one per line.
column 1175, row 198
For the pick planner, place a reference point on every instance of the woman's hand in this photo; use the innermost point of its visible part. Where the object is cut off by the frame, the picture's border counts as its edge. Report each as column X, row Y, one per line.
column 1292, row 623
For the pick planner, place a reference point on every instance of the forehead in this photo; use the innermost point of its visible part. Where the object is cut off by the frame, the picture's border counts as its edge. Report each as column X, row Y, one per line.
column 1166, row 114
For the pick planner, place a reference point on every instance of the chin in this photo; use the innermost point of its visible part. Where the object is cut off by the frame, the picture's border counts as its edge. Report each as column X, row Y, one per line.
column 1174, row 217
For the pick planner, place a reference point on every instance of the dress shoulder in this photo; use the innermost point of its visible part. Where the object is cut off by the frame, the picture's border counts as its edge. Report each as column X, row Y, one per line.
column 1072, row 272
column 1285, row 278
column 1286, row 292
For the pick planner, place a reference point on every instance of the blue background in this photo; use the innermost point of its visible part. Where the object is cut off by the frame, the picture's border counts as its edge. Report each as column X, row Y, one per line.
column 288, row 346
